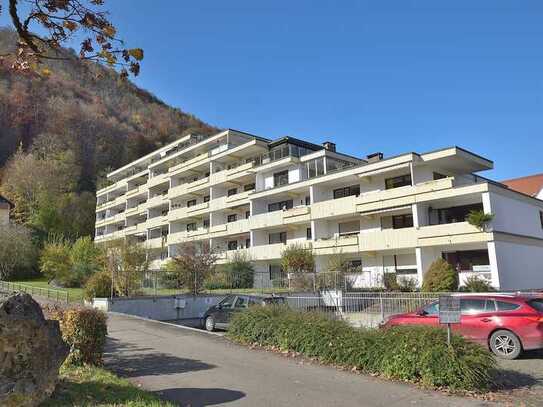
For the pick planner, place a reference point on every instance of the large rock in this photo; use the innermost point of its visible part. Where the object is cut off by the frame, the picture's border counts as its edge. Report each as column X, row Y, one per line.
column 31, row 352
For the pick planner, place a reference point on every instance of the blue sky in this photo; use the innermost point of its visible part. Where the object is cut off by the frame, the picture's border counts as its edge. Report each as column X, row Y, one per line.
column 390, row 76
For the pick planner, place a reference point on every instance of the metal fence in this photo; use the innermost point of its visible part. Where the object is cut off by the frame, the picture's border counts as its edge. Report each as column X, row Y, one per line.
column 365, row 309
column 49, row 293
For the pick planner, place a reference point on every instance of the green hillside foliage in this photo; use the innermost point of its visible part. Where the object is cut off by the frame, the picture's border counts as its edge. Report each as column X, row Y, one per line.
column 60, row 134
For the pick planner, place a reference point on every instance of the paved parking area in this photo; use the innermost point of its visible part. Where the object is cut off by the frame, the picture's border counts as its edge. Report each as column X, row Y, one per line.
column 522, row 379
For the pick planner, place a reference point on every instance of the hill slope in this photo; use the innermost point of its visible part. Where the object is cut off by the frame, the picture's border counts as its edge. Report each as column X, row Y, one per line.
column 105, row 122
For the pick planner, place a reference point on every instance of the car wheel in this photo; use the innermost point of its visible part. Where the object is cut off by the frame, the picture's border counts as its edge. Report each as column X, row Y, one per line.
column 505, row 344
column 210, row 324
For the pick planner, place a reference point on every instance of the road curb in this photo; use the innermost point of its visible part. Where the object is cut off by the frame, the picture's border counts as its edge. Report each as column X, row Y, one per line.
column 202, row 331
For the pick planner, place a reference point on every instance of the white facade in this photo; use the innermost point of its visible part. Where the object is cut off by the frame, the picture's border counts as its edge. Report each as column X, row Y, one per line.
column 235, row 191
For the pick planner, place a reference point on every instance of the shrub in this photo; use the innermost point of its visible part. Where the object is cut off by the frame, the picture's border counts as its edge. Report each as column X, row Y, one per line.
column 56, row 264
column 217, row 281
column 98, row 286
column 86, row 259
column 17, row 253
column 440, row 277
column 391, row 282
column 298, row 258
column 239, row 272
column 476, row 284
column 84, row 330
column 417, row 354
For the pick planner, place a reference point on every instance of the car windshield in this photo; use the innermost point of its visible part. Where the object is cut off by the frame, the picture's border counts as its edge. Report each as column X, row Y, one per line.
column 536, row 304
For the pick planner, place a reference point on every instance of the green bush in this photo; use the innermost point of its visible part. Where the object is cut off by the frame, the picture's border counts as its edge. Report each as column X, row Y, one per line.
column 84, row 330
column 391, row 282
column 98, row 286
column 440, row 277
column 417, row 354
column 476, row 284
column 479, row 219
column 239, row 272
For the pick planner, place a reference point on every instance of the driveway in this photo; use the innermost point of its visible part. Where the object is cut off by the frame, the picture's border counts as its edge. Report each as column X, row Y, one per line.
column 198, row 369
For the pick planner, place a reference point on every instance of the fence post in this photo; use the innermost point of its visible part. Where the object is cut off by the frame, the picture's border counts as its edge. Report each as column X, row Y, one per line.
column 382, row 306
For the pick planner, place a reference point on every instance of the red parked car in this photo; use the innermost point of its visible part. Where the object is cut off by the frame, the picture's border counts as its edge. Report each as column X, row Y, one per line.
column 507, row 324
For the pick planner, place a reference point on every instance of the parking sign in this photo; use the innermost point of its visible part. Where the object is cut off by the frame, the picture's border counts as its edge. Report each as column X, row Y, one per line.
column 449, row 309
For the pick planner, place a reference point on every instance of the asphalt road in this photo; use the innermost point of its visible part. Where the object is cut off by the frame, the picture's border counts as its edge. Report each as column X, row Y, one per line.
column 197, row 369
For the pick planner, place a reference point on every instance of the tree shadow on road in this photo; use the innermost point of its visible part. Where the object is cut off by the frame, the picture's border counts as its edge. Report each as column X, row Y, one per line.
column 129, row 360
column 507, row 379
column 200, row 397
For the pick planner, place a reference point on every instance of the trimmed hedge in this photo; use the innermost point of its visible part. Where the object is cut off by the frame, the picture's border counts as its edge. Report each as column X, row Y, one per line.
column 416, row 354
column 84, row 330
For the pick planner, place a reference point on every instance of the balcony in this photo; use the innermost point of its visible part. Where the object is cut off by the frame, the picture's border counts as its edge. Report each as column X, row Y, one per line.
column 157, row 221
column 177, row 213
column 198, row 209
column 388, row 239
column 402, row 196
column 157, row 242
column 339, row 244
column 233, row 228
column 265, row 220
column 176, row 191
column 238, row 199
column 300, row 214
column 198, row 184
column 334, row 207
column 157, row 200
column 240, row 170
column 186, row 165
column 266, row 252
column 137, row 190
column 451, row 233
column 158, row 179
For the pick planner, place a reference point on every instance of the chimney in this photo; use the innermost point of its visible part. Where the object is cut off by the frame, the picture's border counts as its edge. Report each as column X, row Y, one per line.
column 374, row 157
column 328, row 145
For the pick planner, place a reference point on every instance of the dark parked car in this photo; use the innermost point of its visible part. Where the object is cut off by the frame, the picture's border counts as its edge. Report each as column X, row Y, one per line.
column 507, row 324
column 218, row 316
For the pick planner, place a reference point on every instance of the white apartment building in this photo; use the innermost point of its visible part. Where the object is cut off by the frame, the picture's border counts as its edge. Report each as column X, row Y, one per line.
column 236, row 191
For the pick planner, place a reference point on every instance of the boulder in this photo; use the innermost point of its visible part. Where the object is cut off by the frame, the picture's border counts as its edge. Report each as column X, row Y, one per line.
column 31, row 352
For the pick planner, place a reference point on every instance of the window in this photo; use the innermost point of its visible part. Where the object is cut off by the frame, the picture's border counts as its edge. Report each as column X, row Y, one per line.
column 277, row 206
column 227, row 302
column 432, row 309
column 232, row 245
column 249, row 187
column 453, row 214
column 276, row 272
column 232, row 191
column 231, row 218
column 507, row 306
column 536, row 304
column 396, row 182
column 347, row 191
column 402, row 221
column 190, row 203
column 247, row 243
column 191, row 227
column 206, row 198
column 465, row 260
column 206, row 223
column 475, row 306
column 247, row 214
column 308, row 200
column 241, row 302
column 279, row 237
column 354, row 265
column 541, row 218
column 308, row 233
column 349, row 228
column 280, row 178
column 437, row 175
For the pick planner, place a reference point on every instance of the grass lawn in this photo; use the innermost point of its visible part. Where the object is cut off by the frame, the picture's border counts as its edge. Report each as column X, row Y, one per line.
column 93, row 386
column 74, row 294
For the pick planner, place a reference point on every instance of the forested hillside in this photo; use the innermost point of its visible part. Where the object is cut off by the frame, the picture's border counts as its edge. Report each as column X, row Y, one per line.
column 62, row 132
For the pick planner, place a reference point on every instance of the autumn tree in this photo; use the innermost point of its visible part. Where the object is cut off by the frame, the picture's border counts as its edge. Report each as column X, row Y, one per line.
column 127, row 263
column 192, row 266
column 63, row 21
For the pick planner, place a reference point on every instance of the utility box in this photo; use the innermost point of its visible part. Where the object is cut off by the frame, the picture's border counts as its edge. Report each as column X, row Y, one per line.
column 179, row 303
